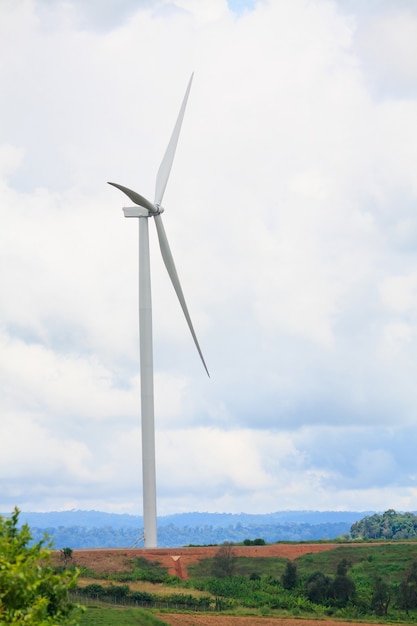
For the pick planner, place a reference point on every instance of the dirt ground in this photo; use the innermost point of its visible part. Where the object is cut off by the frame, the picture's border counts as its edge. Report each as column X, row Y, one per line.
column 230, row 620
column 177, row 560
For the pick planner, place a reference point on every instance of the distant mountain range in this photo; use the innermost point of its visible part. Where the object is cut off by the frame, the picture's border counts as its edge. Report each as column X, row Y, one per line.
column 98, row 519
column 95, row 529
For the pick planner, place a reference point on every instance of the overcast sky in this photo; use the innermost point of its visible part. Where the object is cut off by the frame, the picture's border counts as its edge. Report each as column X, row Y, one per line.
column 291, row 213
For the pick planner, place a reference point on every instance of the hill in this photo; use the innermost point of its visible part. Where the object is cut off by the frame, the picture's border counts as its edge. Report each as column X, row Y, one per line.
column 256, row 586
column 99, row 519
column 95, row 529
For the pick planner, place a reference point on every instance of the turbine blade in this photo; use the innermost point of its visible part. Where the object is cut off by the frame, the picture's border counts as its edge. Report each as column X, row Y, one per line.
column 169, row 264
column 137, row 198
column 166, row 164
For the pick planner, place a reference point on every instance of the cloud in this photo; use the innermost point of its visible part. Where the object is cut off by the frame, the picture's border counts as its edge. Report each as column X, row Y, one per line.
column 389, row 53
column 290, row 214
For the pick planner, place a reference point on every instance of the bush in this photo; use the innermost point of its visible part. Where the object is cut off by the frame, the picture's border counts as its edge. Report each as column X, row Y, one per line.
column 92, row 590
column 31, row 591
column 141, row 596
column 254, row 542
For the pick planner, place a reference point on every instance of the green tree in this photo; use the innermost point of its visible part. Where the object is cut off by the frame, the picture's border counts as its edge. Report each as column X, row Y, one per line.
column 254, row 542
column 224, row 561
column 66, row 555
column 381, row 597
column 289, row 577
column 342, row 588
column 317, row 588
column 407, row 592
column 342, row 567
column 31, row 593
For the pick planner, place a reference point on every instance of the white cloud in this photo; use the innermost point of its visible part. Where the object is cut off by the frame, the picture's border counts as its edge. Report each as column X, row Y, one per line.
column 291, row 216
column 10, row 159
column 389, row 51
column 399, row 293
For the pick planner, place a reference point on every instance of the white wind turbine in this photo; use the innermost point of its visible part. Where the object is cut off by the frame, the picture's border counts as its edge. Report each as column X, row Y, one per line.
column 145, row 209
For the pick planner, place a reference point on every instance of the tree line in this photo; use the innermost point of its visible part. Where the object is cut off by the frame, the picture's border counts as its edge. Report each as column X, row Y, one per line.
column 174, row 536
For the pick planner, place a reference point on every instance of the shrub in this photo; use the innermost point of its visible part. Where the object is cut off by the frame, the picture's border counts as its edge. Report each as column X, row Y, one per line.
column 31, row 591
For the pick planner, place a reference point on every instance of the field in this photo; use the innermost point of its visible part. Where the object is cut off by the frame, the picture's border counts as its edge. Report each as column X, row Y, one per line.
column 136, row 617
column 112, row 567
column 231, row 620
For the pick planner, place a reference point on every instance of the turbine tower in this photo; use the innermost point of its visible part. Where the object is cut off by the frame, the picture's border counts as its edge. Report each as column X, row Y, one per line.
column 144, row 209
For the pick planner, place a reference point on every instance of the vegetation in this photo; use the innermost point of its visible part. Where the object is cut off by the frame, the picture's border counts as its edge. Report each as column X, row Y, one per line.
column 66, row 555
column 126, row 596
column 31, row 592
column 224, row 561
column 254, row 542
column 351, row 581
column 407, row 592
column 289, row 578
column 142, row 569
column 381, row 596
column 389, row 525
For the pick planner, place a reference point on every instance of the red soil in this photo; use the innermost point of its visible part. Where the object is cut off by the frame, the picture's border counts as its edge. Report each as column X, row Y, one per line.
column 181, row 619
column 177, row 560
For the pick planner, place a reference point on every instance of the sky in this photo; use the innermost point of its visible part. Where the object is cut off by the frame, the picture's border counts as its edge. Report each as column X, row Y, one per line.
column 291, row 214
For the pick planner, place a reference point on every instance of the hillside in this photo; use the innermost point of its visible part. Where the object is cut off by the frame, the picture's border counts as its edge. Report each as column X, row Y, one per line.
column 255, row 592
column 177, row 561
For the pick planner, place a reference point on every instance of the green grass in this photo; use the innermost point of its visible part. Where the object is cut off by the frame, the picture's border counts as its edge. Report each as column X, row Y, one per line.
column 110, row 616
column 140, row 569
column 388, row 560
column 244, row 566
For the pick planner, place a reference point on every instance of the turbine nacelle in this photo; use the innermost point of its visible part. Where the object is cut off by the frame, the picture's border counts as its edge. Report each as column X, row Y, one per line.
column 138, row 211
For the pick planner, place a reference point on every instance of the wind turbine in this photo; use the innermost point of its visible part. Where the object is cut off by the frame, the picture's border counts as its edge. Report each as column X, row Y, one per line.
column 144, row 209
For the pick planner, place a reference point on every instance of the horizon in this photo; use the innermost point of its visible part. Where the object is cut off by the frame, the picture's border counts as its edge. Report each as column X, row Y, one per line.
column 279, row 511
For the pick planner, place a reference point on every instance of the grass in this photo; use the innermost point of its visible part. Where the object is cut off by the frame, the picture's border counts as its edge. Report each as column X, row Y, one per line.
column 244, row 566
column 111, row 616
column 388, row 560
